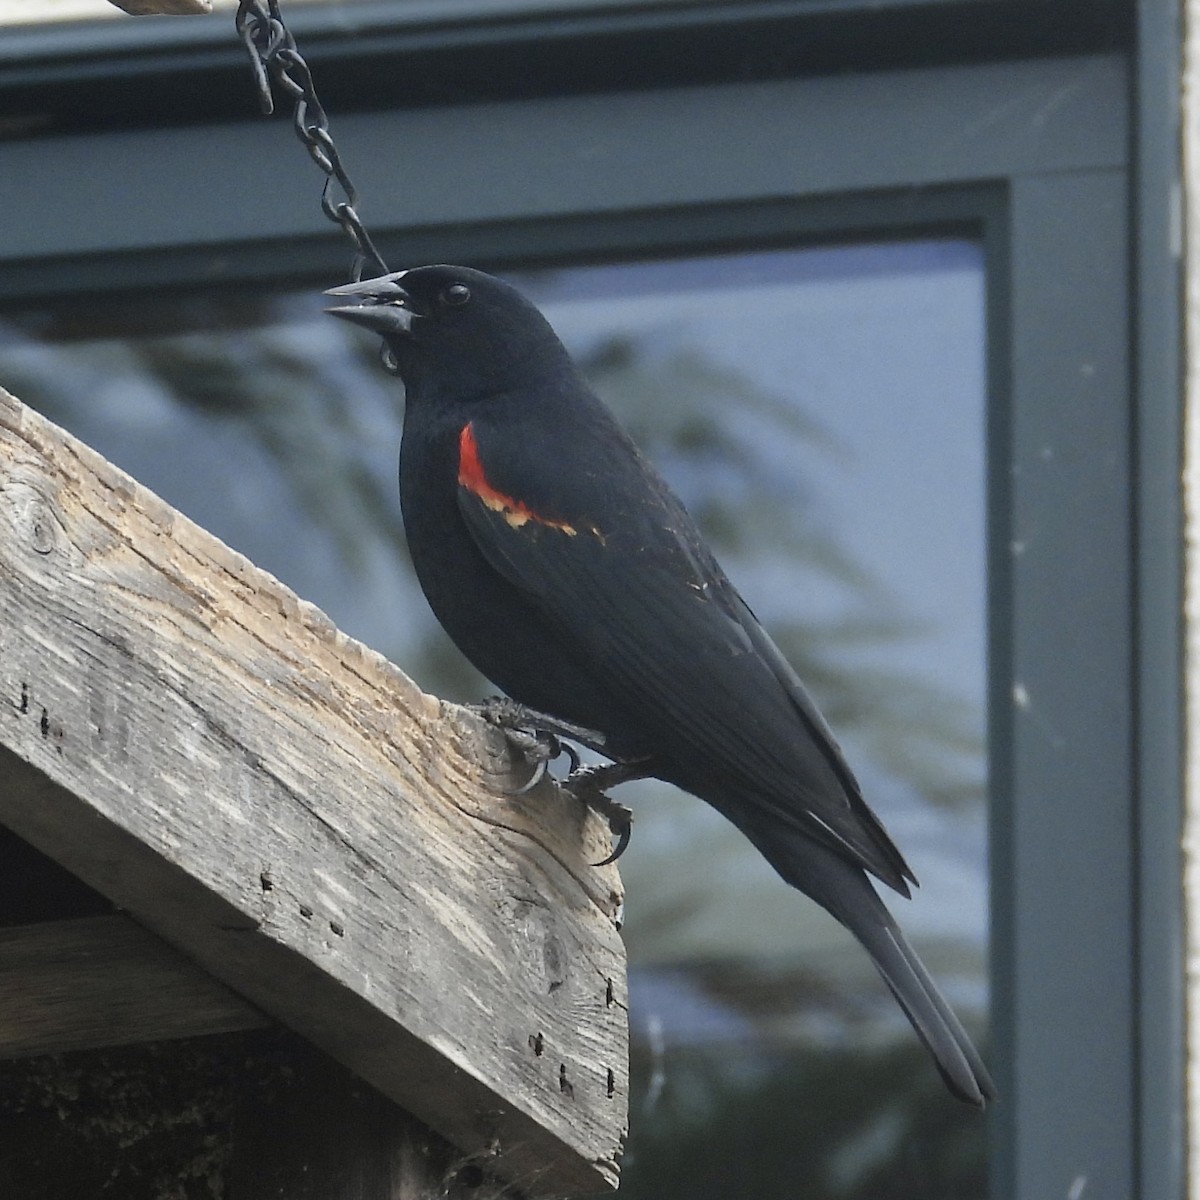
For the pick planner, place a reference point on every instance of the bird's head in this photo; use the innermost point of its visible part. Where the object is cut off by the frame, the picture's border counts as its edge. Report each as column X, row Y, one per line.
column 462, row 330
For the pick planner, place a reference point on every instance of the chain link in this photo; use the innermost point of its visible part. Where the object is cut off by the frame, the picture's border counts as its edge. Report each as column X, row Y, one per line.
column 274, row 58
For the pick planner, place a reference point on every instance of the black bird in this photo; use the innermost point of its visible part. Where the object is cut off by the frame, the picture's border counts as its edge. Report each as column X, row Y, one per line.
column 566, row 570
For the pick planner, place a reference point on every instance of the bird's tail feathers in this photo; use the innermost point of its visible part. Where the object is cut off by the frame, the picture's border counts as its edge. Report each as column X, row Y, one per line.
column 843, row 889
column 930, row 1015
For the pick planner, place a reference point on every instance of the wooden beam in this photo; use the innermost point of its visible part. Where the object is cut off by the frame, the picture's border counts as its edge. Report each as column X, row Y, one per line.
column 285, row 807
column 24, row 12
column 305, row 1129
column 172, row 8
column 104, row 981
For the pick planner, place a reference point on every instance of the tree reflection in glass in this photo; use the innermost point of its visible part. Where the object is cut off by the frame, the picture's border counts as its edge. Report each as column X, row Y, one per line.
column 821, row 412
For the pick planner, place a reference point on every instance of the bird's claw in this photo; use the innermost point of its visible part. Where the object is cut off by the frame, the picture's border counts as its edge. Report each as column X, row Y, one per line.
column 538, row 748
column 619, row 817
column 587, row 784
column 620, row 825
column 539, row 773
column 536, row 736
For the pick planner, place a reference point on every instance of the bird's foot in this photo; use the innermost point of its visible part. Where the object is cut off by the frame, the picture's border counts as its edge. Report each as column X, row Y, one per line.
column 588, row 784
column 540, row 739
column 537, row 736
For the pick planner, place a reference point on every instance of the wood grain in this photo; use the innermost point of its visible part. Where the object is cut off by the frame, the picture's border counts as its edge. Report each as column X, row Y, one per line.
column 171, row 8
column 288, row 809
column 105, row 981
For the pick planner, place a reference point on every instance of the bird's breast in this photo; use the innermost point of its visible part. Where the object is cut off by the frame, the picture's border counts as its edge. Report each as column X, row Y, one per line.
column 496, row 626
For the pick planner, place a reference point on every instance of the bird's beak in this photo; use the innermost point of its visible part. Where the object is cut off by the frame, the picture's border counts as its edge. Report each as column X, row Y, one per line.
column 383, row 304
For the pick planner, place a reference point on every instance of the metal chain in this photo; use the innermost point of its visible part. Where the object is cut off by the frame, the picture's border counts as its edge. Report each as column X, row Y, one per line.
column 274, row 57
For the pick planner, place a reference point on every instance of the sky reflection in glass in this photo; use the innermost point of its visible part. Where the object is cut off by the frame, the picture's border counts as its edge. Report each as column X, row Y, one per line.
column 821, row 411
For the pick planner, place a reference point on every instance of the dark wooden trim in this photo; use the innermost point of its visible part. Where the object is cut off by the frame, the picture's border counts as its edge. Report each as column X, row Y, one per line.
column 254, row 1115
column 105, row 981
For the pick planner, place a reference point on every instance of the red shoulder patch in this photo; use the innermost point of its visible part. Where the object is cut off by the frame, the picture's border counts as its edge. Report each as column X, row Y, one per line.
column 471, row 476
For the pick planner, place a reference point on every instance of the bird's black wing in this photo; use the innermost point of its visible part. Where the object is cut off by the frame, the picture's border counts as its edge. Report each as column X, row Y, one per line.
column 640, row 598
column 607, row 554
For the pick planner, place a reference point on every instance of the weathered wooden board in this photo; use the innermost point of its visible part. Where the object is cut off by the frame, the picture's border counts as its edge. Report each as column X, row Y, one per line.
column 289, row 810
column 29, row 12
column 172, row 8
column 105, row 981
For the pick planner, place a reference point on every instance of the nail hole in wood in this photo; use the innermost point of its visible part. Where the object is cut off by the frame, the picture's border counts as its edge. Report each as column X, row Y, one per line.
column 339, row 930
column 266, row 881
column 612, row 1083
column 24, row 707
column 306, row 912
column 608, row 993
column 564, row 1084
column 537, row 1044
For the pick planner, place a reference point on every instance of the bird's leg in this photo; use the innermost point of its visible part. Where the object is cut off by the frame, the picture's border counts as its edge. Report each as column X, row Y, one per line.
column 588, row 784
column 507, row 714
column 606, row 775
column 537, row 735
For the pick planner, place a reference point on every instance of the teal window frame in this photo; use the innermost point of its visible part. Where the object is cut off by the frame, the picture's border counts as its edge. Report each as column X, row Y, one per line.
column 1055, row 144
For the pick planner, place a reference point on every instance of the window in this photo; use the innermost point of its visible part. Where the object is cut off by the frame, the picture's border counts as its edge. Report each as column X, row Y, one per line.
column 822, row 412
column 607, row 156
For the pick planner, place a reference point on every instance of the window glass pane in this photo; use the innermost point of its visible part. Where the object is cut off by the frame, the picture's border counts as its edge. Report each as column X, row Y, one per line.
column 821, row 412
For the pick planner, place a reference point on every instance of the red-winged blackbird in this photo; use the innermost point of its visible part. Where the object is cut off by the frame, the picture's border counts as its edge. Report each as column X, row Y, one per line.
column 567, row 571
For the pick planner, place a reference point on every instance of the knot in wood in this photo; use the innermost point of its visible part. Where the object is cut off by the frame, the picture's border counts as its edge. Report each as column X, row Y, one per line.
column 43, row 532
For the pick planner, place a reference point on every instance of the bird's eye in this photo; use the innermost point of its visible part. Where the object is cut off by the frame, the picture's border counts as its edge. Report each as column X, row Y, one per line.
column 456, row 295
